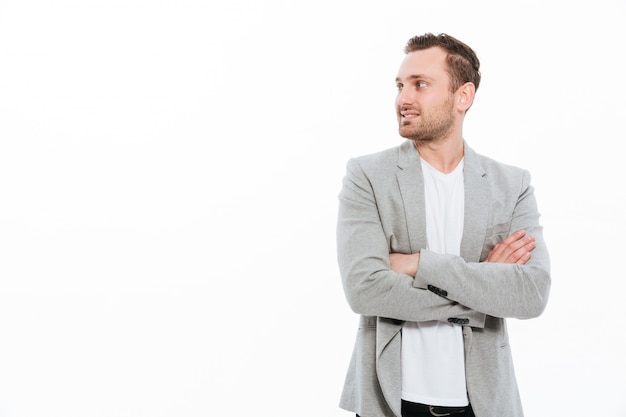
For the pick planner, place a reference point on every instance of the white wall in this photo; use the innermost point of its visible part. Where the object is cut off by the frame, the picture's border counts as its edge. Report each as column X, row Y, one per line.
column 168, row 182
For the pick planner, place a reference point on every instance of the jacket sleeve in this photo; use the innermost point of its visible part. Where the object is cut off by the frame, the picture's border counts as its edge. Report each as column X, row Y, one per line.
column 496, row 289
column 370, row 286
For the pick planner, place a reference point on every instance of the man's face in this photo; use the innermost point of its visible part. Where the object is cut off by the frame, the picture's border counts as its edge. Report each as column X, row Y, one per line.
column 424, row 105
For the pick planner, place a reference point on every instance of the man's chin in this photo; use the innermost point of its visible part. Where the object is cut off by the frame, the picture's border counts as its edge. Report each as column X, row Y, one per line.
column 407, row 133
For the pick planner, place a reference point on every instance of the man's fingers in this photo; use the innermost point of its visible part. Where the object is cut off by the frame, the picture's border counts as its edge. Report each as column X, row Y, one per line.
column 520, row 244
column 502, row 250
column 514, row 249
column 522, row 255
column 514, row 237
column 523, row 259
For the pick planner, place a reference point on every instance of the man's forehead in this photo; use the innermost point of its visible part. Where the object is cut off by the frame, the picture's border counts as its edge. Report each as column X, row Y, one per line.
column 426, row 62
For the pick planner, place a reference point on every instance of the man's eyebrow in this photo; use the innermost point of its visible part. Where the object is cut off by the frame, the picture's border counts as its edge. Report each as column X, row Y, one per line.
column 413, row 77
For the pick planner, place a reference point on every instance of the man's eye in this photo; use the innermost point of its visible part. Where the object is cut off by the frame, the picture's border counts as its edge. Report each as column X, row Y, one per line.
column 399, row 87
column 421, row 84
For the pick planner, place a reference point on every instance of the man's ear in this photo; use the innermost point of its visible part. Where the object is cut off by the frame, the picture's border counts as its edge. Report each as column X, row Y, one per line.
column 465, row 96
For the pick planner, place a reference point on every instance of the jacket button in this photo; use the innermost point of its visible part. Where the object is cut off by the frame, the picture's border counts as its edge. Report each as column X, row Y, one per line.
column 438, row 291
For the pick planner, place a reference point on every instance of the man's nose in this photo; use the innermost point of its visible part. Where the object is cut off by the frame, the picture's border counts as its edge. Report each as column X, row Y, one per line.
column 405, row 96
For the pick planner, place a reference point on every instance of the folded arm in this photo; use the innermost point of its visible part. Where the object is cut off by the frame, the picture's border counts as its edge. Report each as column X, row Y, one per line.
column 510, row 282
column 516, row 249
column 371, row 287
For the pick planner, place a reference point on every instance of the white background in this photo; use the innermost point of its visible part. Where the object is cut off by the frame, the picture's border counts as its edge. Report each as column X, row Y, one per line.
column 169, row 174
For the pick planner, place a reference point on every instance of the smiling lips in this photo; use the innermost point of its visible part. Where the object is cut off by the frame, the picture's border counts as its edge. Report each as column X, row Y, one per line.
column 408, row 114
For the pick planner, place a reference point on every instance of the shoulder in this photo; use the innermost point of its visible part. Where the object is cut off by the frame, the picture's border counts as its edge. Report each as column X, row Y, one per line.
column 382, row 161
column 493, row 165
column 501, row 172
column 389, row 155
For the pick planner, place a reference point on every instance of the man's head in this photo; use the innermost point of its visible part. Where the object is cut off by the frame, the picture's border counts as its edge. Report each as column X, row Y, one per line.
column 463, row 64
column 436, row 84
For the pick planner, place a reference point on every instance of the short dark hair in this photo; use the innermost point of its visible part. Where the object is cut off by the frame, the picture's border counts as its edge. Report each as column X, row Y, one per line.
column 463, row 64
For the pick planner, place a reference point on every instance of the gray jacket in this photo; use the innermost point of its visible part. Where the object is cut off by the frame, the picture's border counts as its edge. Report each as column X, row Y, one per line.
column 381, row 210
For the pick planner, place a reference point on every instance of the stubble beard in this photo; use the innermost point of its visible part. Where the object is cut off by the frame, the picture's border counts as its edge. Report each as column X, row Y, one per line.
column 431, row 127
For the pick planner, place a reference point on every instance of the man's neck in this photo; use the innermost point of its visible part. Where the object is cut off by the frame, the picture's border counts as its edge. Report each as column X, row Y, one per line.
column 443, row 155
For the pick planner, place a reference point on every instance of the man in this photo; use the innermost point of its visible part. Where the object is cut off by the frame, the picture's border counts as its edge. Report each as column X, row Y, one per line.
column 437, row 245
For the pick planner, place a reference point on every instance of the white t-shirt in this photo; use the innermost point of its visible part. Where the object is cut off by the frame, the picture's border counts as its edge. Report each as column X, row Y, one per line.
column 433, row 366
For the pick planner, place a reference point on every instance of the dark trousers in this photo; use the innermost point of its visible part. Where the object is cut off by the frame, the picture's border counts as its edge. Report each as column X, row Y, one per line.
column 408, row 410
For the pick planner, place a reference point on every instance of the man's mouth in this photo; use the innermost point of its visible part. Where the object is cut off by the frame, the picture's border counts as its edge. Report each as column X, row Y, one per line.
column 408, row 114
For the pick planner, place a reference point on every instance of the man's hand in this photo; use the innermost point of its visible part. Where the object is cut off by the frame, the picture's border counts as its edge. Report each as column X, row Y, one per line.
column 404, row 264
column 515, row 249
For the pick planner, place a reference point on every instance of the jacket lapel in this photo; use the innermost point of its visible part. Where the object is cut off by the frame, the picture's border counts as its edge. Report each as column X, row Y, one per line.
column 477, row 207
column 411, row 184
